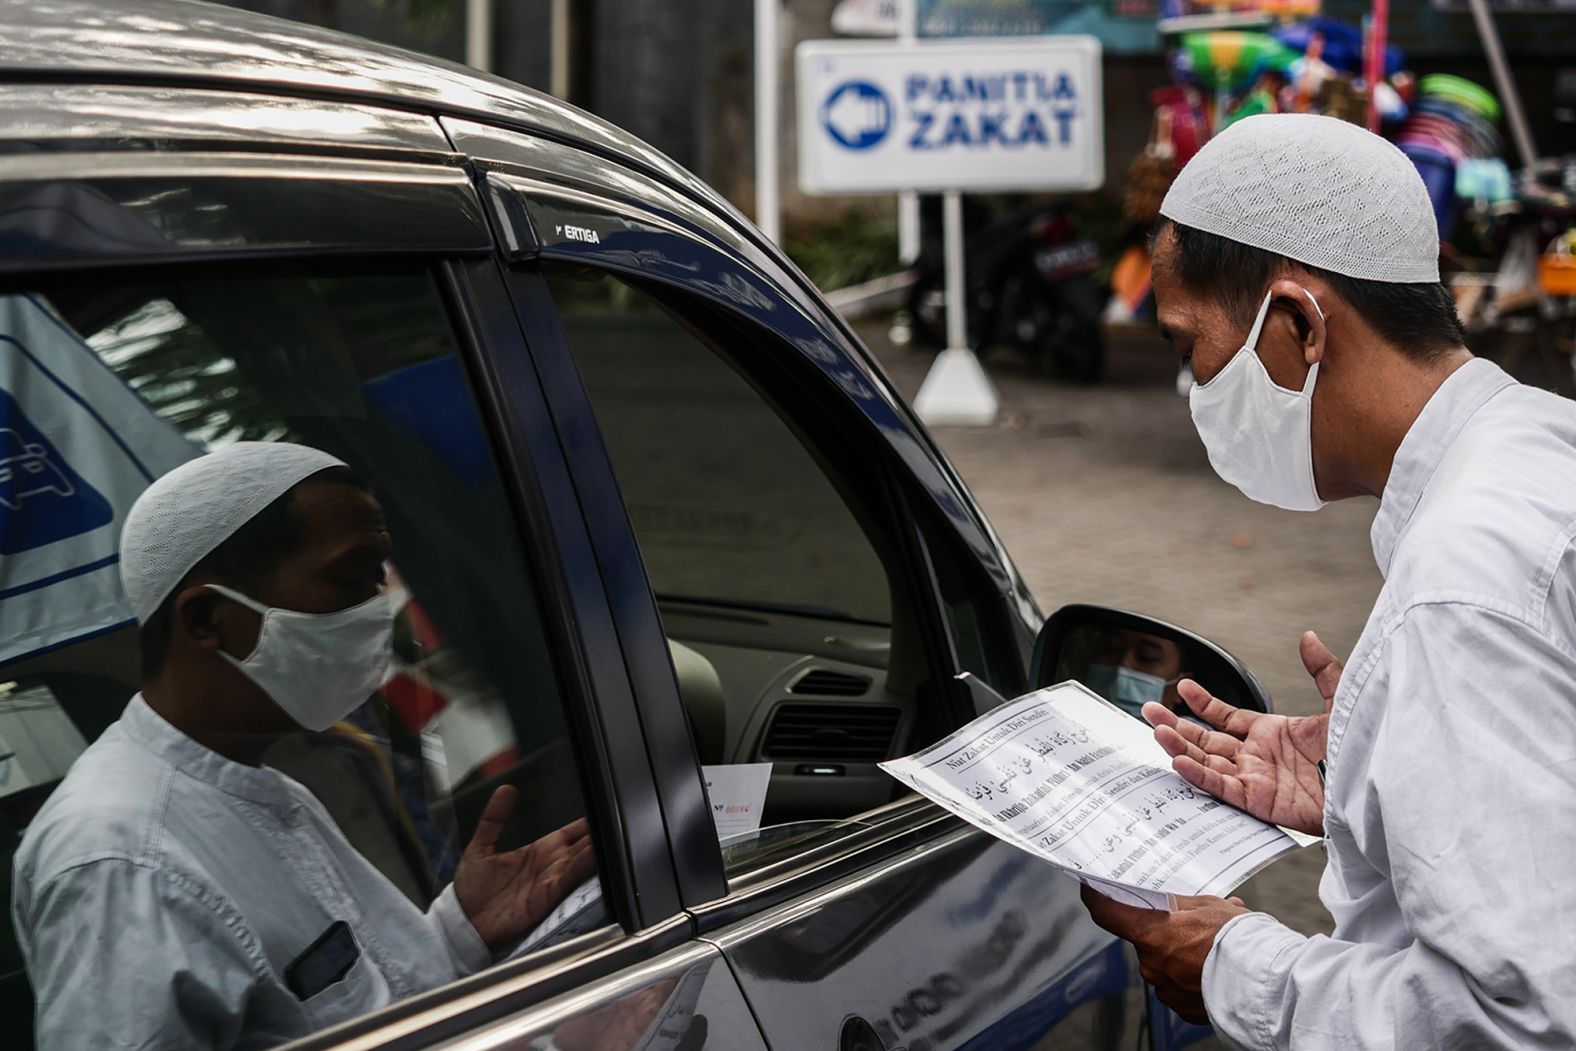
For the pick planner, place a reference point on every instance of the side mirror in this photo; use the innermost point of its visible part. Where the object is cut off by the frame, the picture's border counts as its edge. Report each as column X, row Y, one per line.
column 1129, row 659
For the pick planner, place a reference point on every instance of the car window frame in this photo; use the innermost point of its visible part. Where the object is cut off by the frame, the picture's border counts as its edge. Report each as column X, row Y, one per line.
column 637, row 873
column 899, row 826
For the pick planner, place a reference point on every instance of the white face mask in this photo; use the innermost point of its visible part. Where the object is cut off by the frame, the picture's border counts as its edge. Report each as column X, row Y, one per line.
column 319, row 667
column 1129, row 690
column 1259, row 435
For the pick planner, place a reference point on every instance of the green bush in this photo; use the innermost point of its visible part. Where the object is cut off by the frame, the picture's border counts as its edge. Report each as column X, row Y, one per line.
column 856, row 246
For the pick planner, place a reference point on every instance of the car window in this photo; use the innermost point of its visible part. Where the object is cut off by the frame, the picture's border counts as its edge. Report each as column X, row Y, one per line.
column 729, row 508
column 777, row 567
column 108, row 382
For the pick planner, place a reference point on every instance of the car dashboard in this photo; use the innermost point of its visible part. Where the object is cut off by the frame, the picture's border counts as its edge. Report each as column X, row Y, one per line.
column 810, row 695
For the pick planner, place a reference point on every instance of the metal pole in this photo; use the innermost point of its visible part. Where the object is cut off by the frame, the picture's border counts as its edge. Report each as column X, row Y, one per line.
column 956, row 389
column 1514, row 114
column 558, row 80
column 478, row 34
column 952, row 231
column 908, row 200
column 768, row 204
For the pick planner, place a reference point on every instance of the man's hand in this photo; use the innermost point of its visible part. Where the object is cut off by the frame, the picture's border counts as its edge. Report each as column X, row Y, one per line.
column 1172, row 946
column 1264, row 764
column 506, row 895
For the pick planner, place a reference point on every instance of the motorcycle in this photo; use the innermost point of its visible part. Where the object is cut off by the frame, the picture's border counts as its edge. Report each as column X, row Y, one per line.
column 1030, row 284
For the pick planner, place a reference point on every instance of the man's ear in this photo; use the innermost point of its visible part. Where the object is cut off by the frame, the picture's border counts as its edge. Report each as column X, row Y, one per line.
column 197, row 617
column 1306, row 314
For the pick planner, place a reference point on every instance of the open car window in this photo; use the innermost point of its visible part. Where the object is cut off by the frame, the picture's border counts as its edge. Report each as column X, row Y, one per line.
column 778, row 568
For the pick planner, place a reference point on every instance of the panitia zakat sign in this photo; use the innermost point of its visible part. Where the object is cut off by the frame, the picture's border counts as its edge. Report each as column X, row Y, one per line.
column 986, row 114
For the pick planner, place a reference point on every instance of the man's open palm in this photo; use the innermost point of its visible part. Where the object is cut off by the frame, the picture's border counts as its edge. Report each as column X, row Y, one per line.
column 1264, row 764
column 507, row 893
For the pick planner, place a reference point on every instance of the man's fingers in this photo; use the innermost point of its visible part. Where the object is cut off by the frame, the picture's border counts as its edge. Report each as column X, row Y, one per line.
column 1158, row 715
column 495, row 817
column 582, row 864
column 1124, row 921
column 1221, row 785
column 1197, row 901
column 1323, row 665
column 1213, row 710
column 572, row 834
column 1190, row 739
column 1174, row 743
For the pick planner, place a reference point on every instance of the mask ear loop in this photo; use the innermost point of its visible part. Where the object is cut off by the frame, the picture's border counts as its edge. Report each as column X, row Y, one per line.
column 235, row 596
column 1316, row 307
column 1258, row 327
column 1313, row 370
column 1258, row 323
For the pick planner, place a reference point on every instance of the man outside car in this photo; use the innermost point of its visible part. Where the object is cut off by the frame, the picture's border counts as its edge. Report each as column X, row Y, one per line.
column 1442, row 772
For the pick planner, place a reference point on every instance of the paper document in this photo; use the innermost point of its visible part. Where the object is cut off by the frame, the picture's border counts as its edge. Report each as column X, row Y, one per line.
column 582, row 910
column 737, row 792
column 1070, row 777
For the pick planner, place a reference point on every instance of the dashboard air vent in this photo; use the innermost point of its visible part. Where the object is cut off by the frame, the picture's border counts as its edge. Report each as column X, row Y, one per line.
column 823, row 682
column 832, row 732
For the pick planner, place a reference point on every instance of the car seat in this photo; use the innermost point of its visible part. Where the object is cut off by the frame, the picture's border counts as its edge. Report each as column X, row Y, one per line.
column 701, row 689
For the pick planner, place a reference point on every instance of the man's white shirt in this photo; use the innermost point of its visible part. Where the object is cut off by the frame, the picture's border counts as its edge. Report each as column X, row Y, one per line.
column 162, row 892
column 1450, row 808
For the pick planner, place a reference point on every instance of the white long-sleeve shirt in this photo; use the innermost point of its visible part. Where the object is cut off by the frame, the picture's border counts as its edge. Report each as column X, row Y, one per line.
column 1450, row 807
column 163, row 890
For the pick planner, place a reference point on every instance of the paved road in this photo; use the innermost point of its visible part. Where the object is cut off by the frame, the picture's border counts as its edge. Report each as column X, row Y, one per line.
column 1103, row 494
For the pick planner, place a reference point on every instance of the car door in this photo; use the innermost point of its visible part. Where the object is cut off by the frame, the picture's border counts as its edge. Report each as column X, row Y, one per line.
column 758, row 496
column 323, row 273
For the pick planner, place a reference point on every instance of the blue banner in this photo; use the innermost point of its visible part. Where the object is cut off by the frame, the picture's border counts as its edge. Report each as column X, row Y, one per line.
column 77, row 447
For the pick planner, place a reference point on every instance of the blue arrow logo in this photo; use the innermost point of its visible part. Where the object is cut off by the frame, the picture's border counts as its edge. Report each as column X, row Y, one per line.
column 857, row 114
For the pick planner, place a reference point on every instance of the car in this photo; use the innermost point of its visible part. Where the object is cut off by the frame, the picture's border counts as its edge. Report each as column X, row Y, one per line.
column 655, row 508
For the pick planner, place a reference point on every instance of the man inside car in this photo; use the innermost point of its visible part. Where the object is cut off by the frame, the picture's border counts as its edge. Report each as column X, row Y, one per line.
column 174, row 892
column 1132, row 668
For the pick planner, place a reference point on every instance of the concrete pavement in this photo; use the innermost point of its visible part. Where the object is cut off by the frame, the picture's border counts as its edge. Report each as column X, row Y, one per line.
column 1103, row 494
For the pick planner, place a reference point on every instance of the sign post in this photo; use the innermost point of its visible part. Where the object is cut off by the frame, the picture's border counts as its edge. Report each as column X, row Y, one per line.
column 1001, row 114
column 908, row 240
column 768, row 207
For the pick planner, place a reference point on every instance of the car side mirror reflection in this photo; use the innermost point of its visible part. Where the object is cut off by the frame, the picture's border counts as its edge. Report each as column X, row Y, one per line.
column 1130, row 659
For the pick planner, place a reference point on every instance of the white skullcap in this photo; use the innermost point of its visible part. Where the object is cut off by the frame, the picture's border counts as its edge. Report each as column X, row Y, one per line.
column 183, row 516
column 1314, row 189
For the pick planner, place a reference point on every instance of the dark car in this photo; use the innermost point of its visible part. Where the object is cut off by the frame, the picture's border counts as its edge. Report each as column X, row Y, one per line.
column 654, row 510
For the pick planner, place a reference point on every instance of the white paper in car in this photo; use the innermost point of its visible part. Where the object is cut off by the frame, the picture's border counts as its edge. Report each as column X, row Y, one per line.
column 581, row 910
column 1067, row 776
column 737, row 792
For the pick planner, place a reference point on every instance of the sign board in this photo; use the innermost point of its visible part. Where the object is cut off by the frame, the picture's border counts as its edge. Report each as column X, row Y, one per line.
column 865, row 18
column 77, row 447
column 950, row 18
column 986, row 115
column 1123, row 26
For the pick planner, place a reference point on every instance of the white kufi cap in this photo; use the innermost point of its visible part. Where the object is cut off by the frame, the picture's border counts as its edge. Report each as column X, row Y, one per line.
column 183, row 516
column 1314, row 189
